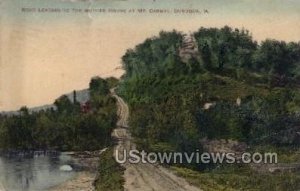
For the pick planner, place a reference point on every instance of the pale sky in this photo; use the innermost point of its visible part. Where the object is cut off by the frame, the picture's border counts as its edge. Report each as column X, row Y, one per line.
column 44, row 55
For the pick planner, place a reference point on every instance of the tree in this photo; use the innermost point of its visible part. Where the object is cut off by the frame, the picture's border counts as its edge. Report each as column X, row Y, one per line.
column 278, row 59
column 222, row 47
column 63, row 104
column 24, row 111
column 206, row 56
column 98, row 86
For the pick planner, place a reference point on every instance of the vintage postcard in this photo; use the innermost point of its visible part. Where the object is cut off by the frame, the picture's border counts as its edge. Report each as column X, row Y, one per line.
column 149, row 95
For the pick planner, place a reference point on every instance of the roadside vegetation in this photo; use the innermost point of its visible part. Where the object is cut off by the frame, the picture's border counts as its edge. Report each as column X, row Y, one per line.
column 236, row 178
column 252, row 89
column 110, row 173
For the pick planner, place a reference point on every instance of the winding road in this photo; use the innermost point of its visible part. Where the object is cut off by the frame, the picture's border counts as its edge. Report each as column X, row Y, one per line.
column 143, row 177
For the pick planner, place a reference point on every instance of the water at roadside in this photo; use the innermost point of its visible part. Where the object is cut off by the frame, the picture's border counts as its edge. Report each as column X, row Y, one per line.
column 34, row 173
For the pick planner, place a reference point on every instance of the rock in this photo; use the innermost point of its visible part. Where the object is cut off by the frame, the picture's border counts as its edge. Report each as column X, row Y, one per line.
column 66, row 168
column 224, row 146
column 208, row 105
column 238, row 101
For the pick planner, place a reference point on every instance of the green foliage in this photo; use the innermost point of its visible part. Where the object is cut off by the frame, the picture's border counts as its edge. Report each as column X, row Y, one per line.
column 98, row 86
column 167, row 96
column 67, row 127
column 155, row 56
column 64, row 105
column 110, row 173
column 225, row 47
column 112, row 82
column 279, row 60
column 233, row 178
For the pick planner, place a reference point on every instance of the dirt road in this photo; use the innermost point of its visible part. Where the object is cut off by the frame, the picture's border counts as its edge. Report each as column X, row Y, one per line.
column 143, row 177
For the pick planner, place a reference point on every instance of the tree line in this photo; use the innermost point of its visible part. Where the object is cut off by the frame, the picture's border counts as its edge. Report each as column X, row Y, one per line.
column 68, row 126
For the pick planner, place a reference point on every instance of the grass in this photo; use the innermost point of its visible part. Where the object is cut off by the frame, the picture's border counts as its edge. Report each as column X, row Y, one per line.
column 110, row 173
column 236, row 178
column 285, row 154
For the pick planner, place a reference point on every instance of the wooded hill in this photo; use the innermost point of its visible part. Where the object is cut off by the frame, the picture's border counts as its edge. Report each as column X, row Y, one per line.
column 252, row 88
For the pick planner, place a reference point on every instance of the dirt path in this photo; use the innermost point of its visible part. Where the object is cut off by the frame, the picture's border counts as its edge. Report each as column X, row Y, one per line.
column 141, row 176
column 1, row 187
column 82, row 182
